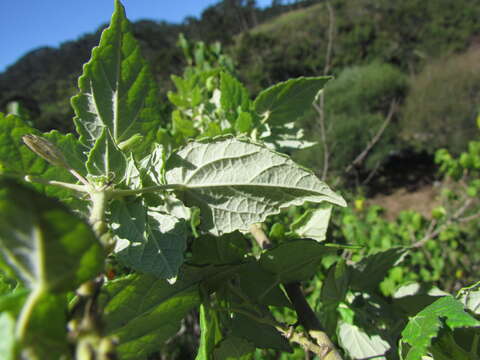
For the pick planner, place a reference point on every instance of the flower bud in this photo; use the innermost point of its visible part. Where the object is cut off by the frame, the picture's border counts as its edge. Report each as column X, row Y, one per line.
column 45, row 149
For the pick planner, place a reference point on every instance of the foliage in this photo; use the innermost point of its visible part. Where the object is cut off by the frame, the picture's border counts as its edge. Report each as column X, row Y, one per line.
column 449, row 121
column 156, row 219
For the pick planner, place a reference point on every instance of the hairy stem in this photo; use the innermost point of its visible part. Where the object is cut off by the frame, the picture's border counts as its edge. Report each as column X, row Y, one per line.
column 76, row 187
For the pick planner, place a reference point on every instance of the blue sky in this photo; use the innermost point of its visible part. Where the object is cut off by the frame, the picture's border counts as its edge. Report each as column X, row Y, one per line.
column 29, row 24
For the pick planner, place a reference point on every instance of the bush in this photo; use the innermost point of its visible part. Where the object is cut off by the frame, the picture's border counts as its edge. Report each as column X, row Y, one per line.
column 356, row 105
column 442, row 105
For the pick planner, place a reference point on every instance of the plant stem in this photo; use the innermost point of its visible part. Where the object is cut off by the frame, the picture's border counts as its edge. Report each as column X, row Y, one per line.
column 97, row 212
column 27, row 311
column 324, row 347
column 76, row 187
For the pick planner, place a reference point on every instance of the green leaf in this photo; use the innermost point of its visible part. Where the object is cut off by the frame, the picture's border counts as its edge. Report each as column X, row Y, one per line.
column 289, row 100
column 234, row 348
column 371, row 270
column 244, row 123
column 45, row 244
column 106, row 160
column 17, row 160
column 236, row 183
column 425, row 326
column 210, row 333
column 335, row 285
column 264, row 290
column 261, row 335
column 295, row 260
column 233, row 95
column 313, row 223
column 45, row 335
column 143, row 311
column 470, row 298
column 226, row 249
column 360, row 345
column 117, row 90
column 7, row 336
column 147, row 239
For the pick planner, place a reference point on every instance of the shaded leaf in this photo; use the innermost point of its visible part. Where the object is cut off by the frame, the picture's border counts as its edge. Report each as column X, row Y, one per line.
column 288, row 100
column 148, row 240
column 425, row 326
column 371, row 270
column 226, row 249
column 234, row 348
column 261, row 335
column 295, row 260
column 236, row 183
column 117, row 90
column 45, row 244
column 143, row 311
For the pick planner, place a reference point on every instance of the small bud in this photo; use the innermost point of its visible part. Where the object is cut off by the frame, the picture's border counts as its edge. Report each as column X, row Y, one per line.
column 45, row 149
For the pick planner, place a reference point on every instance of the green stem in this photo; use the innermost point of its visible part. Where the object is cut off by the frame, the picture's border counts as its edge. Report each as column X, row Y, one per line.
column 27, row 311
column 97, row 213
column 76, row 187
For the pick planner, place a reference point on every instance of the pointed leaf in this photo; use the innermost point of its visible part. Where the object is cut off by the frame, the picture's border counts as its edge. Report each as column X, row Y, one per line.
column 289, row 100
column 236, row 183
column 371, row 270
column 117, row 90
column 423, row 327
column 148, row 240
column 210, row 333
column 295, row 260
column 44, row 243
column 233, row 95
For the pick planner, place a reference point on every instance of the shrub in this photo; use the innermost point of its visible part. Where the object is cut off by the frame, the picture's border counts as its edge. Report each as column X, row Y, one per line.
column 442, row 104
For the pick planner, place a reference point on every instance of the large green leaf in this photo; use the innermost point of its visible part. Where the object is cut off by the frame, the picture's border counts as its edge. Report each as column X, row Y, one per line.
column 360, row 345
column 234, row 96
column 117, row 90
column 226, row 249
column 236, row 183
column 43, row 242
column 295, row 260
column 289, row 100
column 425, row 326
column 148, row 240
column 143, row 311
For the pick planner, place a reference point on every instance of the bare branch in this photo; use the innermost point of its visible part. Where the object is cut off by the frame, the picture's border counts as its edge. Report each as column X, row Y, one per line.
column 361, row 157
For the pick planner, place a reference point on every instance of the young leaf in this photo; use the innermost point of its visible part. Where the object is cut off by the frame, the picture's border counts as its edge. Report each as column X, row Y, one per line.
column 313, row 224
column 359, row 345
column 117, row 90
column 233, row 95
column 142, row 311
column 148, row 240
column 423, row 327
column 105, row 159
column 295, row 260
column 236, row 183
column 288, row 100
column 43, row 243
